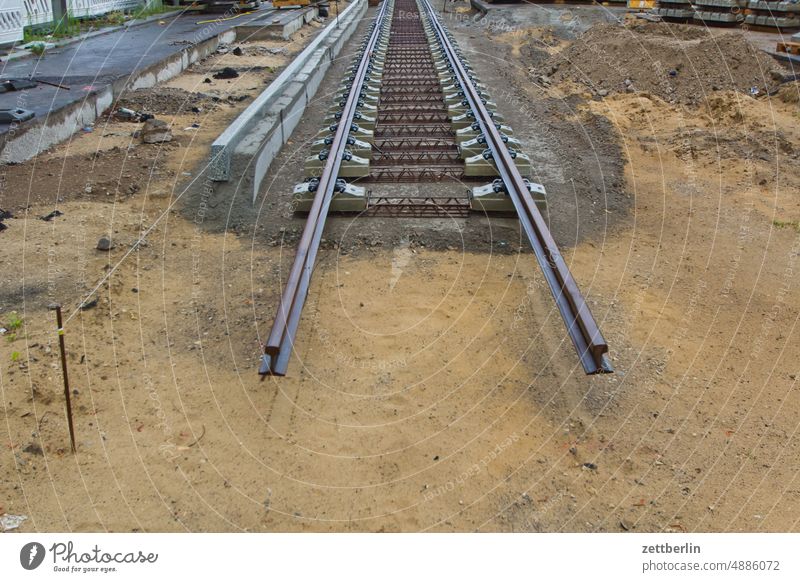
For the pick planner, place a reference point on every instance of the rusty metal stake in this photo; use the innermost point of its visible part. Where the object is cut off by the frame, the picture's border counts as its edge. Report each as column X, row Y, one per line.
column 67, row 395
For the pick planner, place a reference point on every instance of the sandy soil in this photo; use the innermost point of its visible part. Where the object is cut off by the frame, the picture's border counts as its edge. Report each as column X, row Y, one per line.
column 432, row 388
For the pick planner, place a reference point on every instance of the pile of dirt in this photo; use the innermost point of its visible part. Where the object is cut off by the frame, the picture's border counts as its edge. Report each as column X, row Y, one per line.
column 166, row 101
column 671, row 30
column 677, row 63
column 790, row 93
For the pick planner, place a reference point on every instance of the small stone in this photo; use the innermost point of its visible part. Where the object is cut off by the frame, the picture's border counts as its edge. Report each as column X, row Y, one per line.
column 238, row 51
column 155, row 131
column 91, row 304
column 226, row 73
column 625, row 524
column 33, row 449
column 590, row 466
column 51, row 216
column 104, row 244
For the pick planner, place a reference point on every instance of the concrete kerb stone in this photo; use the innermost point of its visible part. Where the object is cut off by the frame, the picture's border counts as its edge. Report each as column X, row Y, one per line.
column 314, row 61
column 41, row 133
column 24, row 53
column 480, row 6
column 290, row 110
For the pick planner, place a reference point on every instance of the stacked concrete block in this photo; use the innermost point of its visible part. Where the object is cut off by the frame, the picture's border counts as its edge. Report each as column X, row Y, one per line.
column 675, row 10
column 719, row 11
column 773, row 14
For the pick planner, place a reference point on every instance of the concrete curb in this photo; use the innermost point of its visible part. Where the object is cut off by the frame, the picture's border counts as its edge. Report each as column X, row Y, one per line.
column 480, row 6
column 287, row 24
column 261, row 130
column 23, row 53
column 24, row 141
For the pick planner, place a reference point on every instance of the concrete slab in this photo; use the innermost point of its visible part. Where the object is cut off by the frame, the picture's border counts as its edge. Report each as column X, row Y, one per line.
column 99, row 68
column 280, row 24
column 246, row 148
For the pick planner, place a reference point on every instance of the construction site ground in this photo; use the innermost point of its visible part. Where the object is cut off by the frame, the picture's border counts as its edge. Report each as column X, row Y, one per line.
column 433, row 385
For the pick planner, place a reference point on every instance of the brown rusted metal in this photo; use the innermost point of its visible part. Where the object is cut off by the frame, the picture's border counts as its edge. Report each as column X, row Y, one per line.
column 414, row 139
column 281, row 338
column 581, row 326
column 419, row 206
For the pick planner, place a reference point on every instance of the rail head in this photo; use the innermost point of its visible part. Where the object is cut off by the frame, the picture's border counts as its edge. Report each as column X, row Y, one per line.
column 581, row 325
column 281, row 339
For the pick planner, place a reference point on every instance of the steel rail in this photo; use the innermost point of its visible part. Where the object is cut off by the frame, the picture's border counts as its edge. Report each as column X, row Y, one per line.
column 581, row 326
column 278, row 347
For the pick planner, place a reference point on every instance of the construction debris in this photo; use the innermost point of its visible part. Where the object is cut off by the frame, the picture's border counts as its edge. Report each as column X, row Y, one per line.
column 226, row 73
column 10, row 522
column 155, row 131
column 678, row 63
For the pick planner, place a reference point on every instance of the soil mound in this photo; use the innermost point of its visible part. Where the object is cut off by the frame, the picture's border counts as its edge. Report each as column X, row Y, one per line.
column 677, row 63
column 165, row 101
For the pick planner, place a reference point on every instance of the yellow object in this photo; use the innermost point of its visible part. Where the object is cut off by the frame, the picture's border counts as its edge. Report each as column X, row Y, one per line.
column 641, row 4
column 289, row 3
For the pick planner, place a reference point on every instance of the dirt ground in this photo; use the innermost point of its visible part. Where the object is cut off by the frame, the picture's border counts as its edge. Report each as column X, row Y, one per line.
column 433, row 386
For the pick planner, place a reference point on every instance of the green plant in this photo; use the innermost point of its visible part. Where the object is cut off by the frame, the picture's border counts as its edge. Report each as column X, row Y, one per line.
column 13, row 324
column 795, row 224
column 37, row 49
column 152, row 8
column 15, row 356
column 14, row 321
column 66, row 27
column 115, row 18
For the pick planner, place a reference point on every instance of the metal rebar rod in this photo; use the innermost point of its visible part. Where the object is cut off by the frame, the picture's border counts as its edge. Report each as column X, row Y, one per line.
column 67, row 395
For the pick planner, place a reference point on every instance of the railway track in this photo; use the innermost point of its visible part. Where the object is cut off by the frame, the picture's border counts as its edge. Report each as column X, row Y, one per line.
column 410, row 109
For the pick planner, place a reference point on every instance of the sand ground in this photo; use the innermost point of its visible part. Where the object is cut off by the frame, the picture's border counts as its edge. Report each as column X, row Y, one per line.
column 433, row 387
